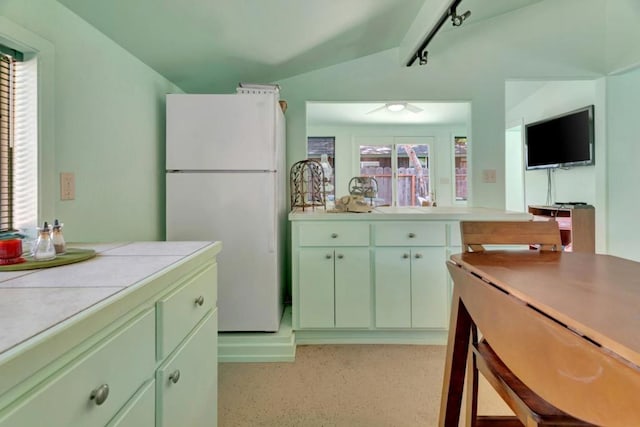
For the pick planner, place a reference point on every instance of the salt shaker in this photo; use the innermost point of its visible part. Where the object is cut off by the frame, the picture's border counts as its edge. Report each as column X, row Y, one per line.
column 58, row 239
column 44, row 249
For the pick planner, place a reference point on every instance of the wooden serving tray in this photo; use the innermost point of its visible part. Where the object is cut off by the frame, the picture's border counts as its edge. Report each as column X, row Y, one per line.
column 69, row 257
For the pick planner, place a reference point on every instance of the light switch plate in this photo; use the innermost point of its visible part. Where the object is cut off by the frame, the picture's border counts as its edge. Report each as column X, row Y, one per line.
column 489, row 176
column 67, row 186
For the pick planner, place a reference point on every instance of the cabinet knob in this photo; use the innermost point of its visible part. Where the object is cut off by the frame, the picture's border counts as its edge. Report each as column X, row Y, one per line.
column 334, row 235
column 418, row 255
column 174, row 377
column 100, row 394
column 405, row 256
column 412, row 235
column 340, row 256
column 200, row 300
column 328, row 256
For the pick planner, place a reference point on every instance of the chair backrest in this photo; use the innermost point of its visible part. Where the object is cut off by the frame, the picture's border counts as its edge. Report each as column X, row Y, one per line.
column 543, row 234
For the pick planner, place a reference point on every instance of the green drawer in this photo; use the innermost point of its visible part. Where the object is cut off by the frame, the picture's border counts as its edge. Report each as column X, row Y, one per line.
column 410, row 234
column 179, row 311
column 349, row 233
column 65, row 399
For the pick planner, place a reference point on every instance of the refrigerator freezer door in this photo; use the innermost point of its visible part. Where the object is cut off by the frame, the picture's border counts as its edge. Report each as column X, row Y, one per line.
column 240, row 210
column 221, row 132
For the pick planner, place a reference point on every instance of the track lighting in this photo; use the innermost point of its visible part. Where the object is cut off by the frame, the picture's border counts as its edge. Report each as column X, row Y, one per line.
column 420, row 54
column 456, row 19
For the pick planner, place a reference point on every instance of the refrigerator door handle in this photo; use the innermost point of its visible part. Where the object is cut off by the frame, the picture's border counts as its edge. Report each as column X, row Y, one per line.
column 271, row 238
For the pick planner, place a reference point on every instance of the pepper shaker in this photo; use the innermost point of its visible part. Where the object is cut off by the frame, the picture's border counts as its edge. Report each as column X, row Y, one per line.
column 58, row 239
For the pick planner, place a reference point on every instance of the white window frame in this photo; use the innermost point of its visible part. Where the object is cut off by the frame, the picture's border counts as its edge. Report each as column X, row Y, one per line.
column 394, row 141
column 39, row 55
column 452, row 144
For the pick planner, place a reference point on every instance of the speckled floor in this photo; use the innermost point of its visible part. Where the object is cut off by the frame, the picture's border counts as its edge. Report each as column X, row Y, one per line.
column 341, row 385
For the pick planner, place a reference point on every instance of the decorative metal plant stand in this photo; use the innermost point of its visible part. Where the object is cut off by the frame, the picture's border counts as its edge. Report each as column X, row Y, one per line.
column 307, row 185
column 365, row 186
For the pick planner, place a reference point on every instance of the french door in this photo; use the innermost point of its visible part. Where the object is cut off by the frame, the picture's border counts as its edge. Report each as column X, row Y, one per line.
column 400, row 166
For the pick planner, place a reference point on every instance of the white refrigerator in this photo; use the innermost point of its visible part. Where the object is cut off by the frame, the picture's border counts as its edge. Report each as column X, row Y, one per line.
column 225, row 158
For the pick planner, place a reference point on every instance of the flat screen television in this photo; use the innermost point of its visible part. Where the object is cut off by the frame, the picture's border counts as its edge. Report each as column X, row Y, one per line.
column 565, row 140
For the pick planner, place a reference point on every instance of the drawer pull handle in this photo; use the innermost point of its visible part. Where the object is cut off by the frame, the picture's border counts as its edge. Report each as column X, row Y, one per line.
column 412, row 235
column 200, row 300
column 175, row 376
column 334, row 235
column 418, row 255
column 405, row 256
column 328, row 256
column 100, row 394
column 340, row 256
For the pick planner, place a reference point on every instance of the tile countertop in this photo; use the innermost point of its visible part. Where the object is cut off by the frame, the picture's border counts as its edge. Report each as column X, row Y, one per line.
column 33, row 301
column 446, row 213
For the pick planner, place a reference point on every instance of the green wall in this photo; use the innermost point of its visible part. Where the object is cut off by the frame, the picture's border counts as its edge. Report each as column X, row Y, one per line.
column 470, row 63
column 623, row 135
column 104, row 122
column 550, row 40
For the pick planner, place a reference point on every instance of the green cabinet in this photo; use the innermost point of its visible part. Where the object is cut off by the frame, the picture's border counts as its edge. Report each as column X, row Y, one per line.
column 411, row 287
column 335, row 287
column 136, row 412
column 375, row 275
column 186, row 383
column 393, row 288
column 410, row 274
column 91, row 389
column 332, row 276
column 113, row 363
column 187, row 350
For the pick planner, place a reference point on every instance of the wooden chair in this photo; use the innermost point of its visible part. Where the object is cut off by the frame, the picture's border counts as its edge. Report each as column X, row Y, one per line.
column 529, row 408
column 544, row 234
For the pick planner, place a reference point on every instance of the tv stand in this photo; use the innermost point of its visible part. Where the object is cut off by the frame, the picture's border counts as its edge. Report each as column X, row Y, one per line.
column 576, row 223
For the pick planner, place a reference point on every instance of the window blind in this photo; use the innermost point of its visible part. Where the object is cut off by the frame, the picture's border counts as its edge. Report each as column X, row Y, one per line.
column 7, row 94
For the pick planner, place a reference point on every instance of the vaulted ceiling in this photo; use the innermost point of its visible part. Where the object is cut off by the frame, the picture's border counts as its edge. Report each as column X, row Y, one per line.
column 211, row 45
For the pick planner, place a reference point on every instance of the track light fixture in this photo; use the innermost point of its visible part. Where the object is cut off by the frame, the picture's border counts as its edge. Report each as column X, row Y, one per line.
column 456, row 19
column 423, row 57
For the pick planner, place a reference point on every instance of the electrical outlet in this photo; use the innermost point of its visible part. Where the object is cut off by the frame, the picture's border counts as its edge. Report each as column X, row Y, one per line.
column 67, row 186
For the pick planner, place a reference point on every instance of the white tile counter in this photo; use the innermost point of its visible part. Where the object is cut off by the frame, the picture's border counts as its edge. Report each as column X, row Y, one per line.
column 445, row 213
column 33, row 301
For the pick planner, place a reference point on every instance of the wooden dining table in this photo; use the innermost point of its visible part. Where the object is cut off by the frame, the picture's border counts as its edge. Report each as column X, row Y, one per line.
column 566, row 324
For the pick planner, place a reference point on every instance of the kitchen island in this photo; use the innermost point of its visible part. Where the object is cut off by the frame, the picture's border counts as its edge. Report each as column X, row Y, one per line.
column 377, row 277
column 128, row 338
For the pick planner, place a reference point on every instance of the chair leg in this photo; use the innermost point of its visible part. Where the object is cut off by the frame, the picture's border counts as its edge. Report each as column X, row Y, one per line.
column 472, row 381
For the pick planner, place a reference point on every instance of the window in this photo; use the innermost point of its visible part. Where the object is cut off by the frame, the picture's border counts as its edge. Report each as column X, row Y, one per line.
column 322, row 149
column 8, row 59
column 460, row 146
column 30, row 87
column 401, row 170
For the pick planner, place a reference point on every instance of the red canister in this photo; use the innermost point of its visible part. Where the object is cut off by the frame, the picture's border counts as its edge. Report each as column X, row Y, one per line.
column 11, row 251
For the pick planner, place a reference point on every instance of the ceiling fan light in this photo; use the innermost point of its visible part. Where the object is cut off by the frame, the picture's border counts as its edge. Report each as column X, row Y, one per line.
column 396, row 106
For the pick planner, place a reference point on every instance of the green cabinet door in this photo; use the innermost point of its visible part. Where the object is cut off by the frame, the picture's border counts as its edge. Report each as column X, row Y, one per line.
column 187, row 383
column 429, row 288
column 393, row 287
column 316, row 287
column 140, row 410
column 352, row 287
